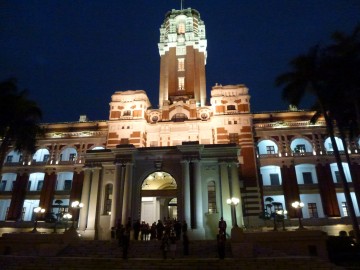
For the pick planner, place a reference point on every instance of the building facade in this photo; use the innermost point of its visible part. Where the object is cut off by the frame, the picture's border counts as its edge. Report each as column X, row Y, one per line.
column 183, row 160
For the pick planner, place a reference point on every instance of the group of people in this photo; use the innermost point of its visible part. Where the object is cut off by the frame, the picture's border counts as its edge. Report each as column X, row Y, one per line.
column 167, row 231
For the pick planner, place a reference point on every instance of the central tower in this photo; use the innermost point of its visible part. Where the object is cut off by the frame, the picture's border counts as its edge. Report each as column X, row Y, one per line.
column 182, row 49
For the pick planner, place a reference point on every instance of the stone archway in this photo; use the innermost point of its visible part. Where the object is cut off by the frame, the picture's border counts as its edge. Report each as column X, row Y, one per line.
column 158, row 197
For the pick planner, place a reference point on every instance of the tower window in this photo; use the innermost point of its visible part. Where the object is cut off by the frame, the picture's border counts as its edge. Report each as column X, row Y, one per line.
column 313, row 213
column 108, row 199
column 181, row 64
column 181, row 81
column 181, row 28
column 211, row 197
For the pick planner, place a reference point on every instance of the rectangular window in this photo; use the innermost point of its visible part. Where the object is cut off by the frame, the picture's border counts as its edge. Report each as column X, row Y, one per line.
column 270, row 149
column 274, row 179
column 234, row 138
column 181, row 81
column 67, row 184
column 211, row 197
column 39, row 185
column 20, row 158
column 46, row 158
column 300, row 148
column 29, row 186
column 9, row 159
column 181, row 64
column 345, row 209
column 72, row 157
column 337, row 177
column 312, row 209
column 3, row 185
column 307, row 176
column 108, row 199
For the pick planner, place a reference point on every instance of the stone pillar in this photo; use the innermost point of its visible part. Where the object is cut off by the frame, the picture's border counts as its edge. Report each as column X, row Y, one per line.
column 48, row 190
column 186, row 190
column 225, row 193
column 127, row 193
column 235, row 187
column 116, row 203
column 18, row 197
column 85, row 199
column 93, row 201
column 199, row 220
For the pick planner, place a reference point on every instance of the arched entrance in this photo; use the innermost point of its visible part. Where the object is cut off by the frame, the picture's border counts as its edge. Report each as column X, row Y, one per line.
column 158, row 197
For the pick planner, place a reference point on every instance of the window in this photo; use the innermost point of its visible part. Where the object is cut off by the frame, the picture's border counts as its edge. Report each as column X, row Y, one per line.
column 274, row 179
column 337, row 177
column 9, row 159
column 307, row 176
column 181, row 28
column 67, row 184
column 20, row 158
column 234, row 138
column 211, row 197
column 72, row 157
column 181, row 64
column 345, row 209
column 312, row 209
column 300, row 148
column 46, row 158
column 39, row 185
column 127, row 113
column 231, row 107
column 181, row 81
column 270, row 149
column 29, row 186
column 108, row 199
column 3, row 185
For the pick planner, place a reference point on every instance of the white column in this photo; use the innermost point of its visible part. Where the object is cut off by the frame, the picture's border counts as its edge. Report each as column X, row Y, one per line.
column 235, row 187
column 186, row 190
column 93, row 203
column 198, row 196
column 225, row 194
column 116, row 197
column 85, row 199
column 127, row 193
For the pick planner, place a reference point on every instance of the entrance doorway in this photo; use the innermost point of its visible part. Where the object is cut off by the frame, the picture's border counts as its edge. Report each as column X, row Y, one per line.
column 158, row 197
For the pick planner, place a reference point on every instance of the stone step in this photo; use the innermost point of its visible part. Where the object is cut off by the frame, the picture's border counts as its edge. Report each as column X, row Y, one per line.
column 141, row 249
column 82, row 263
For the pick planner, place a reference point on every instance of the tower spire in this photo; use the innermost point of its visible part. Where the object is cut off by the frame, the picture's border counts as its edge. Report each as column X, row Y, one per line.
column 181, row 4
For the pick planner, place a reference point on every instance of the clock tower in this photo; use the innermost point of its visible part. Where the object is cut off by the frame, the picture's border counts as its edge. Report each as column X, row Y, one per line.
column 182, row 49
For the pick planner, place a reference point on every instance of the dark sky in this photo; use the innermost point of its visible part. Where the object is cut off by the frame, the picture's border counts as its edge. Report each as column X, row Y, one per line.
column 72, row 55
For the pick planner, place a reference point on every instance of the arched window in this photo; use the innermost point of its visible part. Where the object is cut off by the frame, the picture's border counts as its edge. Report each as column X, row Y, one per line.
column 211, row 197
column 68, row 154
column 13, row 157
column 108, row 200
column 267, row 147
column 41, row 155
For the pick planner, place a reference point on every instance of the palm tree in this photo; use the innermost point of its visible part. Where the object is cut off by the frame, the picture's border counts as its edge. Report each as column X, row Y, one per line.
column 313, row 73
column 19, row 120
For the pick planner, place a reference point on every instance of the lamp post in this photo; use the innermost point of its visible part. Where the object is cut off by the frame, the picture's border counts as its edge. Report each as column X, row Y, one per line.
column 76, row 205
column 282, row 213
column 298, row 206
column 37, row 210
column 233, row 202
column 67, row 217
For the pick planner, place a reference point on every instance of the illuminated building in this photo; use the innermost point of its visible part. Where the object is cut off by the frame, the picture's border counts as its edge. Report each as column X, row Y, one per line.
column 183, row 160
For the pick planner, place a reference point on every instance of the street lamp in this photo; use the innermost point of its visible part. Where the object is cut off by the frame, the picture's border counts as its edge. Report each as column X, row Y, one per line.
column 233, row 202
column 76, row 205
column 298, row 206
column 67, row 217
column 282, row 213
column 37, row 210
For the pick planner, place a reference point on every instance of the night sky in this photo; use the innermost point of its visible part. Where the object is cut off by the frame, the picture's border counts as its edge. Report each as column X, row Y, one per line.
column 72, row 55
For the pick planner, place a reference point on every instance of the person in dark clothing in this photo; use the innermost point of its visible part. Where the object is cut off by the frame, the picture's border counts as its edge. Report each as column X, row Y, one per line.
column 125, row 243
column 222, row 226
column 136, row 228
column 159, row 229
column 177, row 229
column 221, row 241
column 184, row 227
column 120, row 233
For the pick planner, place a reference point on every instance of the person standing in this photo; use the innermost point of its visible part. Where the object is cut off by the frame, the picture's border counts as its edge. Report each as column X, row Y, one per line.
column 165, row 245
column 136, row 228
column 222, row 226
column 126, row 243
column 221, row 243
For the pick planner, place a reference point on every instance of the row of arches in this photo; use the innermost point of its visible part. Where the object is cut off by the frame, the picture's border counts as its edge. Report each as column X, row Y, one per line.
column 305, row 174
column 44, row 155
column 297, row 145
